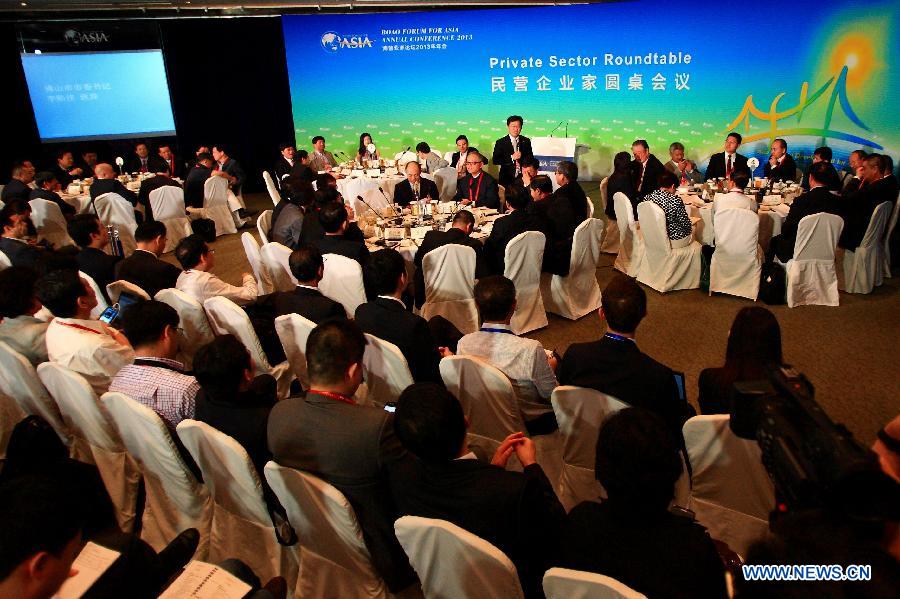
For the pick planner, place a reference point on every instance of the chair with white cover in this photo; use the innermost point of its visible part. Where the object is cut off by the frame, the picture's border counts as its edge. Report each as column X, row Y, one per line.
column 113, row 209
column 342, row 281
column 452, row 562
column 293, row 331
column 864, row 266
column 590, row 208
column 50, row 223
column 101, row 298
column 117, row 288
column 275, row 258
column 271, row 188
column 386, row 372
column 522, row 259
column 263, row 279
column 449, row 274
column 174, row 500
column 5, row 262
column 241, row 525
column 167, row 204
column 577, row 294
column 810, row 276
column 264, row 225
column 448, row 156
column 227, row 318
column 562, row 583
column 610, row 243
column 215, row 205
column 737, row 261
column 334, row 560
column 580, row 412
column 445, row 179
column 732, row 493
column 194, row 330
column 663, row 267
column 892, row 224
column 631, row 243
column 87, row 419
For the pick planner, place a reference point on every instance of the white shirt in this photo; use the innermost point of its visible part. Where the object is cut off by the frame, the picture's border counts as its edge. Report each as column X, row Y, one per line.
column 202, row 285
column 523, row 360
column 734, row 199
column 26, row 335
column 92, row 353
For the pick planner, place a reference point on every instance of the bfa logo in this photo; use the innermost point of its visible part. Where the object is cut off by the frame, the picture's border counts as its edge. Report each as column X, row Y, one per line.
column 74, row 37
column 332, row 42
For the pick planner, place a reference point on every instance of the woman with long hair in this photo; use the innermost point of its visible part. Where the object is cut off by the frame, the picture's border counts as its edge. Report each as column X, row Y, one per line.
column 363, row 153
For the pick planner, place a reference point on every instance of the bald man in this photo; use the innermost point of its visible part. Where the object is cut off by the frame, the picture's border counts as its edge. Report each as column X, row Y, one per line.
column 105, row 182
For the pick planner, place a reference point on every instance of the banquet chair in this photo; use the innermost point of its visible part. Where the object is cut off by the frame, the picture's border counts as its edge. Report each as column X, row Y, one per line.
column 113, row 209
column 522, row 259
column 194, row 330
column 386, row 373
column 892, row 223
column 275, row 258
column 737, row 262
column 263, row 279
column 590, row 207
column 174, row 499
column 50, row 223
column 227, row 318
column 334, row 560
column 452, row 562
column 448, row 156
column 864, row 266
column 449, row 275
column 101, row 297
column 5, row 262
column 445, row 178
column 562, row 583
column 241, row 525
column 84, row 415
column 264, row 225
column 631, row 243
column 117, row 288
column 342, row 281
column 577, row 294
column 610, row 243
column 167, row 204
column 663, row 267
column 731, row 492
column 293, row 331
column 810, row 276
column 271, row 188
column 215, row 205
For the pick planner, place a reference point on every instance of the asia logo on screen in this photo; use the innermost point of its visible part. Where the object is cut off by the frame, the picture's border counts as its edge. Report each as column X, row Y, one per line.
column 332, row 42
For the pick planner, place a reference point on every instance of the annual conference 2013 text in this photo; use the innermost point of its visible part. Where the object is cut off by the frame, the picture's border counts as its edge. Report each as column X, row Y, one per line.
column 608, row 59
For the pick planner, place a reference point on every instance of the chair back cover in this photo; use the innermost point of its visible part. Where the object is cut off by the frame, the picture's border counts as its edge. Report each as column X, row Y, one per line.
column 215, row 205
column 892, row 224
column 590, row 208
column 864, row 266
column 275, row 258
column 113, row 209
column 5, row 262
column 611, row 240
column 251, row 249
column 271, row 188
column 167, row 204
column 630, row 245
column 50, row 223
column 194, row 330
column 737, row 261
column 445, row 179
column 227, row 318
column 85, row 416
column 293, row 331
column 577, row 293
column 343, row 282
column 449, row 273
column 731, row 493
column 663, row 267
column 452, row 562
column 811, row 278
column 386, row 371
column 334, row 560
column 523, row 258
column 264, row 225
column 580, row 412
column 174, row 498
column 101, row 298
column 117, row 288
column 561, row 583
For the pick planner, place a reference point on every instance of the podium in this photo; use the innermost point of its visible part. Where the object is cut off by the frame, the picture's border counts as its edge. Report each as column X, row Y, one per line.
column 550, row 151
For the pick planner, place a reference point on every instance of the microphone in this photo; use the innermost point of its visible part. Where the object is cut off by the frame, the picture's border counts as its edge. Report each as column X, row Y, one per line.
column 387, row 199
column 555, row 128
column 360, row 198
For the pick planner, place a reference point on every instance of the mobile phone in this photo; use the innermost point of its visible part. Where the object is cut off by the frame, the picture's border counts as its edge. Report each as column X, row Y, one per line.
column 390, row 407
column 679, row 382
column 109, row 315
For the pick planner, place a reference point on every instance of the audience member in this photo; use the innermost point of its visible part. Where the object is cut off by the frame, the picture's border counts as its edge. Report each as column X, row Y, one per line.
column 459, row 233
column 517, row 220
column 155, row 378
column 684, row 170
column 47, row 188
column 140, row 162
column 855, row 163
column 645, row 169
column 349, row 446
column 92, row 237
column 18, row 231
column 286, row 162
column 105, row 182
column 414, row 187
column 567, row 178
column 722, row 164
column 305, row 299
column 458, row 159
column 65, row 169
column 229, row 168
column 143, row 267
column 432, row 160
column 363, row 153
column 88, row 160
column 510, row 150
column 18, row 304
column 678, row 224
column 735, row 198
column 195, row 183
column 555, row 219
column 321, row 159
column 780, row 166
column 631, row 536
column 518, row 512
column 18, row 187
column 89, row 347
column 165, row 163
column 822, row 178
column 301, row 168
column 857, row 207
column 824, row 154
column 477, row 187
column 620, row 181
column 335, row 220
column 287, row 218
column 198, row 259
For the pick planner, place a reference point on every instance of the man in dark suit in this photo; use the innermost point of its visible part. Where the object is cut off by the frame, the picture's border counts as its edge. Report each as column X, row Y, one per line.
column 301, row 168
column 518, row 512
column 462, row 226
column 645, row 168
column 855, row 160
column 143, row 267
column 141, row 161
column 65, row 169
column 105, row 182
column 15, row 220
column 722, row 164
column 349, row 446
column 285, row 163
column 92, row 237
column 18, row 187
column 387, row 318
column 516, row 221
column 230, row 167
column 781, row 165
column 415, row 188
column 305, row 299
column 510, row 150
column 857, row 207
column 148, row 185
column 47, row 189
column 887, row 185
column 615, row 366
column 567, row 177
column 335, row 221
column 477, row 188
column 166, row 163
column 555, row 219
column 458, row 159
column 196, row 180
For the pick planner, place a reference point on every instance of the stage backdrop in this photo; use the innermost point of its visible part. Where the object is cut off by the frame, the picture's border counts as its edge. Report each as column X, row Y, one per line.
column 811, row 72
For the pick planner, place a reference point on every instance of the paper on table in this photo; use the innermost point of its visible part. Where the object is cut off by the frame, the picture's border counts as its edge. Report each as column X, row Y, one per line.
column 90, row 564
column 782, row 210
column 205, row 581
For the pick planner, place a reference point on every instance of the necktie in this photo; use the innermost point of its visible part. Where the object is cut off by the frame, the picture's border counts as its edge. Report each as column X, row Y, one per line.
column 728, row 167
column 143, row 165
column 516, row 149
column 172, row 168
column 416, row 191
column 641, row 180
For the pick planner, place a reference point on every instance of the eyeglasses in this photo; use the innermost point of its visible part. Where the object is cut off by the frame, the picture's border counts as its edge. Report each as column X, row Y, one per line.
column 468, row 163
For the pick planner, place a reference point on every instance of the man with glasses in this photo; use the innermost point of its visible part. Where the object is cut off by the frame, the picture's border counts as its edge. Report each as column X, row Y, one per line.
column 477, row 189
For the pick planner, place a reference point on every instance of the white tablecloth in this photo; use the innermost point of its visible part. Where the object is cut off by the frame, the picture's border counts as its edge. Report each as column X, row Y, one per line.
column 352, row 187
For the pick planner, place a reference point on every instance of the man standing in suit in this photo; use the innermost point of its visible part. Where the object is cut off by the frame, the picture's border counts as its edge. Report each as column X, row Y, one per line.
column 285, row 163
column 722, row 164
column 349, row 446
column 477, row 188
column 65, row 169
column 462, row 226
column 684, row 169
column 92, row 237
column 645, row 168
column 415, row 188
column 166, row 163
column 305, row 299
column 321, row 159
column 432, row 161
column 335, row 220
column 143, row 267
column 781, row 166
column 510, row 150
column 19, row 186
column 48, row 189
column 555, row 219
column 567, row 178
column 517, row 220
column 817, row 199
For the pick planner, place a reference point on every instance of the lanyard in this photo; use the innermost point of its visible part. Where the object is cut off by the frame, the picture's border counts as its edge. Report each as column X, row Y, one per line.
column 335, row 396
column 477, row 189
column 490, row 330
column 78, row 326
column 156, row 364
column 618, row 337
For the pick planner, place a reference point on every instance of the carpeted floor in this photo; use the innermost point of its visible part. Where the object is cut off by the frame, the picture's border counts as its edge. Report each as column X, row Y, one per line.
column 848, row 352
